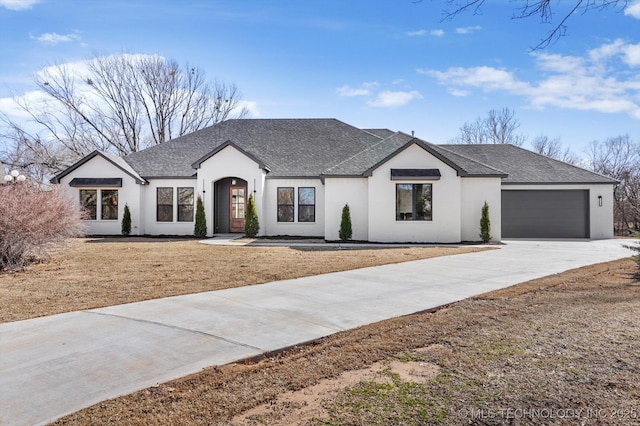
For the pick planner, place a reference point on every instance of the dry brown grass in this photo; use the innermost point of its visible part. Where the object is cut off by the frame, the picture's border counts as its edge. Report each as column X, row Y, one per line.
column 109, row 271
column 567, row 341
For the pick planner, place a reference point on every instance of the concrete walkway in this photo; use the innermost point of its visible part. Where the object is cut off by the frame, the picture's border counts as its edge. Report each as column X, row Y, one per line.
column 56, row 365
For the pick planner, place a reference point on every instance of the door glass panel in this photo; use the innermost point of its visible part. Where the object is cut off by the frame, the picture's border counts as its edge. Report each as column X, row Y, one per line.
column 237, row 203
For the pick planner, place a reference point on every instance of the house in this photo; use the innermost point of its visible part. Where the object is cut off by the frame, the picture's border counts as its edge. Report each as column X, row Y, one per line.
column 303, row 171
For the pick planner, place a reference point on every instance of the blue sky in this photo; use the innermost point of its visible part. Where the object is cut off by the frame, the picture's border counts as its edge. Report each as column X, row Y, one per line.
column 373, row 63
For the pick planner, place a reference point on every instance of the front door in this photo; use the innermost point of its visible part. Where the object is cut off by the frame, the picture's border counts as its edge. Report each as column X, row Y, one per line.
column 237, row 204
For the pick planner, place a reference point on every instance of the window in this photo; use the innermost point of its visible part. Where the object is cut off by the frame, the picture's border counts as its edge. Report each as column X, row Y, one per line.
column 285, row 204
column 89, row 202
column 109, row 204
column 306, row 204
column 164, row 211
column 185, row 205
column 413, row 201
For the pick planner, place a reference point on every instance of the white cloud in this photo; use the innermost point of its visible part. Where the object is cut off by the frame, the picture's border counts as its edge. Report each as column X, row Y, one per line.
column 250, row 106
column 422, row 33
column 632, row 55
column 364, row 89
column 55, row 38
column 389, row 99
column 603, row 80
column 418, row 33
column 633, row 9
column 18, row 4
column 468, row 30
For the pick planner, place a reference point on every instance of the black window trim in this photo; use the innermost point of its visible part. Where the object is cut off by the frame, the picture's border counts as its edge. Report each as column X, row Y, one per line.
column 413, row 202
column 192, row 204
column 307, row 205
column 158, row 205
column 292, row 206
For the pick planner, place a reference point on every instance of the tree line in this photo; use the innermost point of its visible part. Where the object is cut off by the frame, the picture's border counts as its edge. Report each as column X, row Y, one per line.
column 617, row 157
column 119, row 104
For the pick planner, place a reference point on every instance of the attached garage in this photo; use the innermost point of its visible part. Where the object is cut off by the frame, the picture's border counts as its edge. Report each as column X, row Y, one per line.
column 545, row 214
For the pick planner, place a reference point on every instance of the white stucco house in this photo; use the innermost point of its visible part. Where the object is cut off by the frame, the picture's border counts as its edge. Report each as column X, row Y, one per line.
column 303, row 171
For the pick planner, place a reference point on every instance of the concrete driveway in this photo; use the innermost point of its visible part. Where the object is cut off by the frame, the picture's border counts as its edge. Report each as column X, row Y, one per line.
column 56, row 365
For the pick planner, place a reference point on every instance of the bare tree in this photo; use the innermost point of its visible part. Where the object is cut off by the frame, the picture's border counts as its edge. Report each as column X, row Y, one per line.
column 498, row 127
column 121, row 104
column 553, row 148
column 619, row 157
column 543, row 9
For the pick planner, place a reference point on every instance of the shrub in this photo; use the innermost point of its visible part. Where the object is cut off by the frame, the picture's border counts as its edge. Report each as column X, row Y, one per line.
column 200, row 229
column 251, row 223
column 485, row 224
column 345, row 224
column 126, row 221
column 34, row 223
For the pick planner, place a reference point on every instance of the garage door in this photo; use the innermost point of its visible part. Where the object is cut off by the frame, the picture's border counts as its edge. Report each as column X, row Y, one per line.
column 545, row 214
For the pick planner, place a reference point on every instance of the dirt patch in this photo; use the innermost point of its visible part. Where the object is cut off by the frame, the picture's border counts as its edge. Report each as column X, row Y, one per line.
column 300, row 407
column 561, row 345
column 101, row 272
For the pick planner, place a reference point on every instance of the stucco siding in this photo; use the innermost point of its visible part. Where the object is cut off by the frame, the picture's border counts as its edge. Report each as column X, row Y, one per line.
column 129, row 194
column 474, row 192
column 154, row 227
column 445, row 224
column 269, row 218
column 230, row 163
column 352, row 191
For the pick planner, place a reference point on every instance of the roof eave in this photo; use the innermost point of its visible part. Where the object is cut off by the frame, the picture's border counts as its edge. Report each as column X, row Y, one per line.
column 86, row 159
column 261, row 164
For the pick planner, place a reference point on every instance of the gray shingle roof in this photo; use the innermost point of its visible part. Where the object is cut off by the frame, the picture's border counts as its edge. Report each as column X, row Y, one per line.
column 288, row 147
column 364, row 160
column 328, row 147
column 527, row 167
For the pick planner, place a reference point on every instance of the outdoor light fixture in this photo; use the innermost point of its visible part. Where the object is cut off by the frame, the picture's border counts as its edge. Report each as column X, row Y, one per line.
column 14, row 176
column 600, row 200
column 233, row 181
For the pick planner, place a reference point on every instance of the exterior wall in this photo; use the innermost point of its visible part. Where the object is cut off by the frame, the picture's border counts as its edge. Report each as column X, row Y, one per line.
column 600, row 217
column 151, row 224
column 474, row 192
column 341, row 191
column 129, row 193
column 269, row 218
column 230, row 162
column 445, row 225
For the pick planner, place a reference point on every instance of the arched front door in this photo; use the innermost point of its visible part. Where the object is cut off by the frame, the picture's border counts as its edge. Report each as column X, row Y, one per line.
column 237, row 208
column 230, row 203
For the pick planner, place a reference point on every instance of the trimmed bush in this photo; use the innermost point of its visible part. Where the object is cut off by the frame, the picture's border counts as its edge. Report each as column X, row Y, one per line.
column 251, row 223
column 485, row 224
column 126, row 221
column 34, row 223
column 200, row 228
column 345, row 224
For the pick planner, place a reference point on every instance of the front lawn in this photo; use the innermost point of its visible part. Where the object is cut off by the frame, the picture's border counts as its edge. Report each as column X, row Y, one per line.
column 109, row 271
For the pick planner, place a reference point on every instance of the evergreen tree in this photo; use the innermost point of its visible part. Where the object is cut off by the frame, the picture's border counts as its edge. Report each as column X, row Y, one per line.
column 485, row 224
column 345, row 224
column 200, row 229
column 251, row 223
column 126, row 221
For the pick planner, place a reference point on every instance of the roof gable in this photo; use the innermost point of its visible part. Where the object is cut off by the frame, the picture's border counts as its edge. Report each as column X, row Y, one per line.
column 365, row 162
column 116, row 161
column 198, row 163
